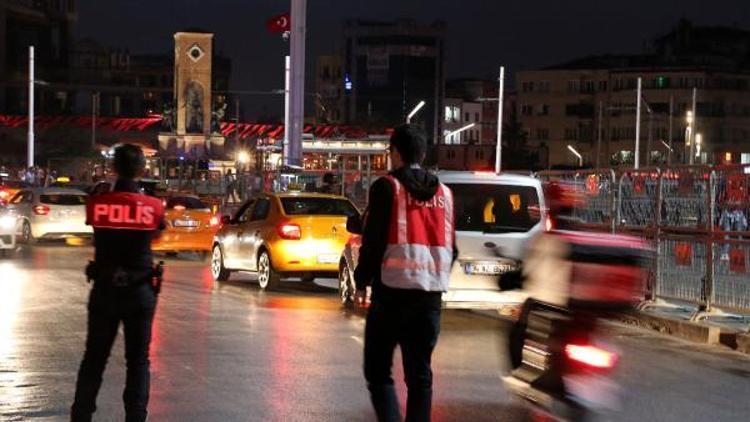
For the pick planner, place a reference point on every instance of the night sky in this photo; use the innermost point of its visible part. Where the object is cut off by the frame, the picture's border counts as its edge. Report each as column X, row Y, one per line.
column 482, row 34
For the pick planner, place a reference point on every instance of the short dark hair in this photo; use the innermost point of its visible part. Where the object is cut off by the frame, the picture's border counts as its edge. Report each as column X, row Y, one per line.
column 129, row 161
column 410, row 142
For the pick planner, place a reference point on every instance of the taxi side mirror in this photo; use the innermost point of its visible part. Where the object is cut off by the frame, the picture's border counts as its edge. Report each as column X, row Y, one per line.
column 354, row 224
column 225, row 220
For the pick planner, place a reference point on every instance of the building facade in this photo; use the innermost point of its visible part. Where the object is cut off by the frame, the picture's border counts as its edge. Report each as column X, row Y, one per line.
column 48, row 26
column 329, row 89
column 389, row 67
column 590, row 104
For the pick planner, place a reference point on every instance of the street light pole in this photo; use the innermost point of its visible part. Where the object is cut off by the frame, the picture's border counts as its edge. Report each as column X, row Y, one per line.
column 414, row 111
column 499, row 146
column 638, row 127
column 94, row 112
column 577, row 154
column 30, row 135
column 599, row 134
column 296, row 82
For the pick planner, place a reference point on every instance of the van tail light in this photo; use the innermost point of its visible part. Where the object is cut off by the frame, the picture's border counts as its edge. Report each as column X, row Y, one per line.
column 590, row 356
column 289, row 231
column 41, row 210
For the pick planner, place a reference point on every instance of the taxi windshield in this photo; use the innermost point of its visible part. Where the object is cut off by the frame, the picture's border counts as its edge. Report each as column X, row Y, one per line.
column 317, row 206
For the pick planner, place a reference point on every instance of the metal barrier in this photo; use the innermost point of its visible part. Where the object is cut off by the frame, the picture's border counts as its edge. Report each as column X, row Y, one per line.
column 599, row 186
column 681, row 268
column 697, row 218
column 638, row 200
column 731, row 281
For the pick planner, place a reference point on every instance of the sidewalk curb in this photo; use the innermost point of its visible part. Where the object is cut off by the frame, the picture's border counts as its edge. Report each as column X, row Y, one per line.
column 686, row 330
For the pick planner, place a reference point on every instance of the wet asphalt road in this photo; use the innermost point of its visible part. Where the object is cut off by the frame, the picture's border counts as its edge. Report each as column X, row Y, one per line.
column 230, row 352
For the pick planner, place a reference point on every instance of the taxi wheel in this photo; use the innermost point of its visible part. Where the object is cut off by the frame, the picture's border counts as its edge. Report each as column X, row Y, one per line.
column 26, row 235
column 267, row 277
column 346, row 286
column 218, row 271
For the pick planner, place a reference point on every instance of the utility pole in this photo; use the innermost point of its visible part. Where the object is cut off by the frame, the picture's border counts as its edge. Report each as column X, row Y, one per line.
column 287, row 117
column 599, row 134
column 30, row 134
column 638, row 126
column 669, row 140
column 693, row 128
column 297, row 82
column 499, row 147
column 94, row 113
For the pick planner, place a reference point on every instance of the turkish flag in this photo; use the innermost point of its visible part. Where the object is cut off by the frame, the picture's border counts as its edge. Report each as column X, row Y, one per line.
column 280, row 23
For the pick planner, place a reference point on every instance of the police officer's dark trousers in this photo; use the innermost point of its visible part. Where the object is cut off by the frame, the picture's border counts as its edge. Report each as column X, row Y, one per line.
column 413, row 325
column 134, row 306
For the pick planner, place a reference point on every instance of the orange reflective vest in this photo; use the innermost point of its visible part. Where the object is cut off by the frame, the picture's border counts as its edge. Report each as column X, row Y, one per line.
column 419, row 254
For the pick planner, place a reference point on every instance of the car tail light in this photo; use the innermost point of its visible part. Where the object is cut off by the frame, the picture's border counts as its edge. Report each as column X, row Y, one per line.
column 4, row 194
column 214, row 221
column 590, row 356
column 179, row 208
column 41, row 210
column 290, row 231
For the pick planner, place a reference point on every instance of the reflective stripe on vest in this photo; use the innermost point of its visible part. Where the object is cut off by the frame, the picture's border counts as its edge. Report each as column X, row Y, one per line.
column 124, row 211
column 420, row 240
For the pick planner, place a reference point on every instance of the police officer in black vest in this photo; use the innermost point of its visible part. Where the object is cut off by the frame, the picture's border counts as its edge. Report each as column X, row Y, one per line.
column 125, row 286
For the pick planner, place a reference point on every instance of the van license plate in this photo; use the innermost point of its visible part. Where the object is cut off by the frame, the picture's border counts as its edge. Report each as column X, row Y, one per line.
column 486, row 268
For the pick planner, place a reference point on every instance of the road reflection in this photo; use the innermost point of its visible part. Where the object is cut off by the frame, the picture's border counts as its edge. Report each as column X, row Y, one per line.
column 12, row 282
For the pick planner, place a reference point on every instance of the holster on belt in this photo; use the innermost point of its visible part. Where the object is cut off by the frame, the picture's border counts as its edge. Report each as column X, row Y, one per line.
column 117, row 276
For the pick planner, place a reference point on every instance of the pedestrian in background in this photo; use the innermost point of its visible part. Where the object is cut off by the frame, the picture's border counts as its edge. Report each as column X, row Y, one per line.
column 125, row 221
column 408, row 248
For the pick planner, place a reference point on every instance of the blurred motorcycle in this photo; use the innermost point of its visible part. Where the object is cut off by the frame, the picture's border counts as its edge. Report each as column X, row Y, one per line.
column 561, row 361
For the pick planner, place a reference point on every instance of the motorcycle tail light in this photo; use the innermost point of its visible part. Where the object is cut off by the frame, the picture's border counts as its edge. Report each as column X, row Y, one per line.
column 41, row 210
column 590, row 356
column 289, row 231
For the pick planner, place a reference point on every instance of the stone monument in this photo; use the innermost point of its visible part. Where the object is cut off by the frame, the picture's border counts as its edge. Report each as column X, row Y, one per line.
column 191, row 124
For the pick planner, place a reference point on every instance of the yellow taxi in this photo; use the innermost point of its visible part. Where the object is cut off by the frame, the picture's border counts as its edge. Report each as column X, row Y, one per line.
column 295, row 234
column 190, row 226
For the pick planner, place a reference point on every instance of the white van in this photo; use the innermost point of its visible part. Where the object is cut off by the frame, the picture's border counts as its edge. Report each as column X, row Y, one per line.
column 496, row 217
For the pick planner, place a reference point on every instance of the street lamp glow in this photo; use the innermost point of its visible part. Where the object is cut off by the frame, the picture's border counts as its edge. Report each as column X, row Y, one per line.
column 577, row 154
column 459, row 130
column 689, row 117
column 698, row 143
column 414, row 111
column 243, row 157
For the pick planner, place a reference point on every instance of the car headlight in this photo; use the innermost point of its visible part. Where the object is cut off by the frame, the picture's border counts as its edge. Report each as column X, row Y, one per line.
column 7, row 222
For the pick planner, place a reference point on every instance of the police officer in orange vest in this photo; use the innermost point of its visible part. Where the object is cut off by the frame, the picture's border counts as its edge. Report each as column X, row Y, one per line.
column 125, row 286
column 408, row 248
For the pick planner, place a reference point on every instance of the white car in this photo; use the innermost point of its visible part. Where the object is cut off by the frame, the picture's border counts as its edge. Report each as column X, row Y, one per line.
column 50, row 213
column 496, row 217
column 7, row 231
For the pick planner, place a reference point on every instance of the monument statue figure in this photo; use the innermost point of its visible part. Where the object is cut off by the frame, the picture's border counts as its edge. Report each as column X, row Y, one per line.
column 217, row 116
column 193, row 108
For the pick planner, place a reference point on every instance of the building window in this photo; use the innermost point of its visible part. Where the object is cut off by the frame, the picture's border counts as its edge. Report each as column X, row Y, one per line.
column 543, row 110
column 527, row 86
column 744, row 158
column 476, row 117
column 571, row 134
column 466, row 116
column 574, row 86
column 527, row 110
column 452, row 114
column 542, row 134
column 602, row 86
column 543, row 86
column 587, row 87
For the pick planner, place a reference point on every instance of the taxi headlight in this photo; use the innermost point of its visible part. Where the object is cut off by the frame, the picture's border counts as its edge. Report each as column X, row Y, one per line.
column 7, row 222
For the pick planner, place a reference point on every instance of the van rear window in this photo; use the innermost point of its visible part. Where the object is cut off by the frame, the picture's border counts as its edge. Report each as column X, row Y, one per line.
column 495, row 208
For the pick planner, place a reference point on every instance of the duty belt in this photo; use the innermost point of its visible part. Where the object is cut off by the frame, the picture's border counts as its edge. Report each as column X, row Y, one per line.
column 121, row 277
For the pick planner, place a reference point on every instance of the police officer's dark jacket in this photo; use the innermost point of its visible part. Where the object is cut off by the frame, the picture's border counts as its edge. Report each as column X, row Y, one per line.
column 124, row 221
column 423, row 186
